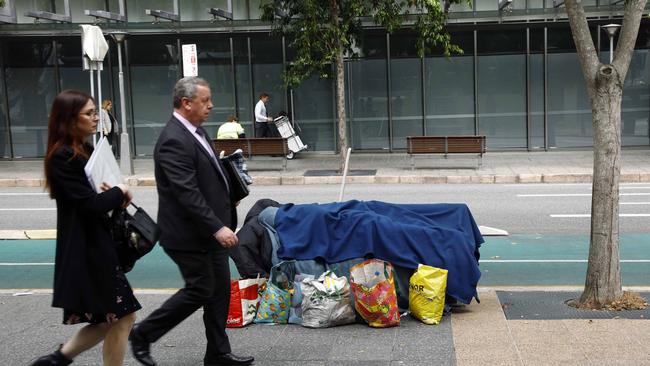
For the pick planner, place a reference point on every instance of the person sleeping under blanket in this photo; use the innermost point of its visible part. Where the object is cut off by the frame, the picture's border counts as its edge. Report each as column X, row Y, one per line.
column 338, row 235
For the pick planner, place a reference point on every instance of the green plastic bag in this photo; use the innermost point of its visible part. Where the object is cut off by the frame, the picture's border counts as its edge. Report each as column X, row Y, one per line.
column 427, row 289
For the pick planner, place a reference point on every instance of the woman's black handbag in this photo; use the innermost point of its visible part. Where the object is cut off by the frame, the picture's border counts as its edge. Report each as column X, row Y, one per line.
column 134, row 235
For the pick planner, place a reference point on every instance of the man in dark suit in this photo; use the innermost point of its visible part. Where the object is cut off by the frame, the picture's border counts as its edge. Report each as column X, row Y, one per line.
column 197, row 216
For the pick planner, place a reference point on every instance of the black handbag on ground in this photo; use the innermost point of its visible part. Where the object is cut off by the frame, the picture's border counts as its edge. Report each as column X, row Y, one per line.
column 238, row 188
column 134, row 235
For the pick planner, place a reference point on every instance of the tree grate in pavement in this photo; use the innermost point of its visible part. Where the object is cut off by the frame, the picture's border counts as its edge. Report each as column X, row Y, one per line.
column 334, row 173
column 545, row 305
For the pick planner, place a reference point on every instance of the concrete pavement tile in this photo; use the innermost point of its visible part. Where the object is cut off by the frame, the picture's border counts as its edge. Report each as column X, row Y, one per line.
column 267, row 181
column 566, row 178
column 486, row 178
column 529, row 178
column 323, row 180
column 607, row 361
column 630, row 177
column 30, row 182
column 7, row 183
column 434, row 179
column 644, row 177
column 555, row 354
column 146, row 181
column 293, row 180
column 526, row 326
column 506, row 178
column 362, row 348
column 595, row 325
column 411, row 179
column 488, row 354
column 458, row 179
column 548, row 338
column 289, row 363
column 613, row 349
column 387, row 179
column 358, row 363
column 361, row 179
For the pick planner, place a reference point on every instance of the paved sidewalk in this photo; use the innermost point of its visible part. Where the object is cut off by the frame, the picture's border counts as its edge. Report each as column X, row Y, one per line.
column 574, row 166
column 475, row 335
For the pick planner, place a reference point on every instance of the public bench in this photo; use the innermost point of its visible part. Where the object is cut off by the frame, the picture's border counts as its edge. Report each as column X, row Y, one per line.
column 446, row 145
column 252, row 146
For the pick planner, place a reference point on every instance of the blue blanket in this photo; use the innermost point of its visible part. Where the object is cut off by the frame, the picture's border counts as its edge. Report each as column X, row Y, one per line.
column 439, row 235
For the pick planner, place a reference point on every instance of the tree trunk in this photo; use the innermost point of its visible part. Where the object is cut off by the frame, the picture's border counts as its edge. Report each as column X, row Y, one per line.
column 340, row 107
column 340, row 88
column 603, row 282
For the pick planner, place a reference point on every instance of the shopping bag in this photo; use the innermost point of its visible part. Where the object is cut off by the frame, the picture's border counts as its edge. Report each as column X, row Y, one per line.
column 326, row 301
column 244, row 300
column 295, row 312
column 276, row 298
column 373, row 287
column 427, row 293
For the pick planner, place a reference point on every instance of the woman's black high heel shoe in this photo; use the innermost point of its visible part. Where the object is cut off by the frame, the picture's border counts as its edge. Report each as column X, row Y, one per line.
column 55, row 358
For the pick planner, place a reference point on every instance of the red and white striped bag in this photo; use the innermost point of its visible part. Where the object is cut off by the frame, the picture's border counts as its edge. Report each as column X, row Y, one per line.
column 244, row 300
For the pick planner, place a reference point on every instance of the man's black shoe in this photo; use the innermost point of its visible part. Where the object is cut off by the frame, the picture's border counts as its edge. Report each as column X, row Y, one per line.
column 140, row 349
column 230, row 359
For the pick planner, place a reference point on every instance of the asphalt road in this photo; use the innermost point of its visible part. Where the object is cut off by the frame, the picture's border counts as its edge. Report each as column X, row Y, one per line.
column 518, row 208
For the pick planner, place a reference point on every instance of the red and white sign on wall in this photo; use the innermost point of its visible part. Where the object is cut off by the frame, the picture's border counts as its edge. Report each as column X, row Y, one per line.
column 190, row 61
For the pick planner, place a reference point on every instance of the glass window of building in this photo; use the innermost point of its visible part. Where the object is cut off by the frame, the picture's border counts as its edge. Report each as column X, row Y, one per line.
column 314, row 113
column 405, row 89
column 449, row 89
column 71, row 73
column 268, row 67
column 78, row 9
column 636, row 99
column 569, row 109
column 154, row 71
column 244, row 94
column 198, row 9
column 135, row 9
column 367, row 88
column 31, row 84
column 536, row 94
column 5, row 147
column 501, row 83
column 214, row 66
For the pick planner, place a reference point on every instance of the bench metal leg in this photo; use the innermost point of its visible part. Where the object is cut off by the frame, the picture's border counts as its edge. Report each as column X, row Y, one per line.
column 412, row 162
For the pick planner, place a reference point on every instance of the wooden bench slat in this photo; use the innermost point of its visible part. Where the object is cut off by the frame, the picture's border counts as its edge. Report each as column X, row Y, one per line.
column 445, row 145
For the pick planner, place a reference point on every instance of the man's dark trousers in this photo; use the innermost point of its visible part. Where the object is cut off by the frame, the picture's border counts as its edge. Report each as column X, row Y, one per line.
column 261, row 129
column 207, row 284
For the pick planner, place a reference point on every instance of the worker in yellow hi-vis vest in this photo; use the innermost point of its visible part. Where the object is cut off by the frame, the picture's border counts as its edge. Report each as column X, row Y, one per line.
column 231, row 129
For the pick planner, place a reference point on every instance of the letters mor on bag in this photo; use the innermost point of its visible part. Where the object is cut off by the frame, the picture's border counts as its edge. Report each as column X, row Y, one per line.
column 244, row 301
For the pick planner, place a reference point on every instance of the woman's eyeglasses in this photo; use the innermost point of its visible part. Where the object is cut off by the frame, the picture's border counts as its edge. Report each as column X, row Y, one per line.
column 91, row 114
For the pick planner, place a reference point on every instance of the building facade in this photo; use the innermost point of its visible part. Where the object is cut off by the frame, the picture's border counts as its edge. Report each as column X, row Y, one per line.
column 518, row 81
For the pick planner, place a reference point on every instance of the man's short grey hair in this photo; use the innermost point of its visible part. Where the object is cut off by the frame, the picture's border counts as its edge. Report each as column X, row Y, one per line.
column 186, row 88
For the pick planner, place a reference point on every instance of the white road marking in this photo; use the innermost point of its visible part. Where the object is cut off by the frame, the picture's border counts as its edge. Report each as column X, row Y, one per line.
column 28, row 209
column 589, row 215
column 555, row 261
column 634, row 203
column 576, row 194
column 27, row 264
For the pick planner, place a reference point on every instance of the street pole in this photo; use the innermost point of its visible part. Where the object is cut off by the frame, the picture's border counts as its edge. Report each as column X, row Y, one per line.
column 611, row 30
column 126, row 165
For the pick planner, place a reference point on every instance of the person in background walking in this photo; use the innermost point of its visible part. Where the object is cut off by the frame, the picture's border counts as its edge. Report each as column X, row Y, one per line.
column 110, row 124
column 198, row 217
column 262, row 118
column 231, row 129
column 88, row 282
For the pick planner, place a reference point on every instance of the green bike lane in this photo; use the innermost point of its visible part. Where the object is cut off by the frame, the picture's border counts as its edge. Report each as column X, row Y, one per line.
column 516, row 260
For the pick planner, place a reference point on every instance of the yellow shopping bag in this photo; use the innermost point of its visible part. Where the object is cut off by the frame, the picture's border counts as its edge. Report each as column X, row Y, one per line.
column 427, row 293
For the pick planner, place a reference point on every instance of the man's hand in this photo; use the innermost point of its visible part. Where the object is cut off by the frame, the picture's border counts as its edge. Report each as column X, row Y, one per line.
column 226, row 237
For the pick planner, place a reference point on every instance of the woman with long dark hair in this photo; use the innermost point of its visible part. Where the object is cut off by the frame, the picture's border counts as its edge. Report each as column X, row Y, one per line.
column 89, row 284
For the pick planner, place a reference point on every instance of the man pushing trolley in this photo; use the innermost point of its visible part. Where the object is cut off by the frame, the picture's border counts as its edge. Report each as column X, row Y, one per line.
column 287, row 132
